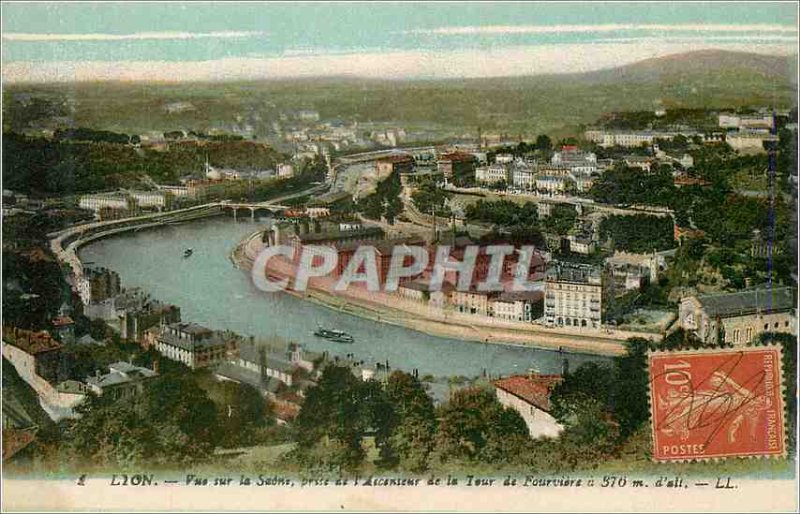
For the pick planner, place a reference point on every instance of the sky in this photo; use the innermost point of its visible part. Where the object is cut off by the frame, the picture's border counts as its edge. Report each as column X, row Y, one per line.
column 180, row 41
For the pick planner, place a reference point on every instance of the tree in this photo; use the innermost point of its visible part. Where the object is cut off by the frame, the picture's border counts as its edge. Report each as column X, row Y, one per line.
column 414, row 434
column 589, row 382
column 630, row 388
column 332, row 417
column 544, row 144
column 562, row 218
column 242, row 411
column 475, row 426
column 639, row 233
column 171, row 422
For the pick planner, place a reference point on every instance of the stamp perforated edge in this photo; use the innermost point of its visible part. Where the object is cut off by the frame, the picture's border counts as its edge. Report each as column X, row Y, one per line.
column 705, row 351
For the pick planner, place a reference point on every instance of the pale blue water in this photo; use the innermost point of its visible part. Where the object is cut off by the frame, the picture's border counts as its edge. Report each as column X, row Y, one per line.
column 210, row 291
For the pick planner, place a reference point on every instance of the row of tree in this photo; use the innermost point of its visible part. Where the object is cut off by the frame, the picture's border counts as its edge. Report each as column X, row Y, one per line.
column 399, row 416
column 67, row 165
column 639, row 233
column 385, row 201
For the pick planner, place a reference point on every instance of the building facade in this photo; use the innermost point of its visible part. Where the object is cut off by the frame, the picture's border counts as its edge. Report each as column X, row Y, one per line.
column 739, row 318
column 573, row 295
column 530, row 397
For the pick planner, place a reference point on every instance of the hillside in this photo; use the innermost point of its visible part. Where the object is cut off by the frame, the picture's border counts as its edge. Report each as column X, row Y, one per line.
column 702, row 63
column 557, row 104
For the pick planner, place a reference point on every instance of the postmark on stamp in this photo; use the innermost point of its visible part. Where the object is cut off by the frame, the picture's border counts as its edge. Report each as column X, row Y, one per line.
column 717, row 403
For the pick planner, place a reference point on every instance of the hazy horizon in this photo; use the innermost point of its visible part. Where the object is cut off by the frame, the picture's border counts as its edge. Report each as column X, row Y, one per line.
column 234, row 42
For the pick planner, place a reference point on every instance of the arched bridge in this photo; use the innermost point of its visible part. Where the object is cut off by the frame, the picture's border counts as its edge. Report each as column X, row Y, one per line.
column 253, row 208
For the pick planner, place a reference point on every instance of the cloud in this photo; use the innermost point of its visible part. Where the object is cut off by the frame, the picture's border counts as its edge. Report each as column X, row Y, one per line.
column 411, row 64
column 567, row 29
column 229, row 34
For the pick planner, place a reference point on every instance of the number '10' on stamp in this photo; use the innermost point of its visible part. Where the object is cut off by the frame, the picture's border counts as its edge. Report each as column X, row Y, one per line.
column 717, row 403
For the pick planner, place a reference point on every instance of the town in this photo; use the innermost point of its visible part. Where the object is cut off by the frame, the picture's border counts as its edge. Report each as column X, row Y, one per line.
column 617, row 231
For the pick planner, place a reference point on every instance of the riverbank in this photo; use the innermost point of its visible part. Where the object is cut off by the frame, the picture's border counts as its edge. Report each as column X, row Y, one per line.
column 414, row 316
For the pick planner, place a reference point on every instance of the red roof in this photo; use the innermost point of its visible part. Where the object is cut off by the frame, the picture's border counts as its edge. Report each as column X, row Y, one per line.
column 568, row 148
column 534, row 390
column 457, row 157
column 15, row 441
column 397, row 159
column 31, row 343
column 62, row 321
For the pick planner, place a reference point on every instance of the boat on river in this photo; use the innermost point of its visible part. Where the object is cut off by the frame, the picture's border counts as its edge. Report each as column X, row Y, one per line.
column 334, row 335
column 188, row 253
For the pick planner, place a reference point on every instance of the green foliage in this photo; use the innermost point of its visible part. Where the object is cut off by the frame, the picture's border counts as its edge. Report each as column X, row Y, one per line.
column 503, row 212
column 385, row 201
column 638, row 234
column 473, row 425
column 39, row 289
column 621, row 185
column 65, row 165
column 242, row 412
column 413, row 436
column 171, row 422
column 428, row 197
column 331, row 417
column 561, row 219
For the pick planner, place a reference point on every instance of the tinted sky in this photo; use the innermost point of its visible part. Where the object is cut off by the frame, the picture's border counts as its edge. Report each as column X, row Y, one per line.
column 394, row 40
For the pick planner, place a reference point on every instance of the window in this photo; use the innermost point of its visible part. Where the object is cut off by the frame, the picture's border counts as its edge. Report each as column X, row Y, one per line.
column 766, row 326
column 785, row 323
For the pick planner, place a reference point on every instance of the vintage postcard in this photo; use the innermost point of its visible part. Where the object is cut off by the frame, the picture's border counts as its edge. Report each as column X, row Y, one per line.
column 400, row 256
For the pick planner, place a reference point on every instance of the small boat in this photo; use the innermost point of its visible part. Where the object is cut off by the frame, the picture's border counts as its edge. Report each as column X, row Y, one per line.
column 188, row 252
column 334, row 335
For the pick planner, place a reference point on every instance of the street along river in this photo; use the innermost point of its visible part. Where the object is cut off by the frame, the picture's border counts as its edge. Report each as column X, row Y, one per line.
column 211, row 291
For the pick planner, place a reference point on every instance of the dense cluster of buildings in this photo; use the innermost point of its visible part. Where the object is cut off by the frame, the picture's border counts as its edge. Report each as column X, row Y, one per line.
column 128, row 311
column 748, row 133
column 569, row 169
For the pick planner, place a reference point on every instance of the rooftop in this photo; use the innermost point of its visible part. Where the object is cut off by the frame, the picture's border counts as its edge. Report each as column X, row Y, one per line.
column 120, row 373
column 517, row 296
column 250, row 353
column 534, row 389
column 748, row 301
column 457, row 157
column 577, row 273
column 231, row 371
column 30, row 342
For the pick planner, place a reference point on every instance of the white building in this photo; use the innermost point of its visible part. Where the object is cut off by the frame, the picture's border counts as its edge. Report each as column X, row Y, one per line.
column 285, row 170
column 573, row 295
column 149, row 199
column 581, row 244
column 530, row 397
column 96, row 202
column 757, row 121
column 523, row 176
column 177, row 191
column 193, row 345
column 491, row 174
column 608, row 138
column 504, row 158
column 318, row 212
column 552, row 185
column 516, row 306
column 577, row 161
column 749, row 141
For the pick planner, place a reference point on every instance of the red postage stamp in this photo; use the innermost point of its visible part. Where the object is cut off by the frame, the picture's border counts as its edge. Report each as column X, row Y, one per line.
column 709, row 404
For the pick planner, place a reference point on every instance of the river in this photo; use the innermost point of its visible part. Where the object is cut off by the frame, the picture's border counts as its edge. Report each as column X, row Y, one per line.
column 211, row 291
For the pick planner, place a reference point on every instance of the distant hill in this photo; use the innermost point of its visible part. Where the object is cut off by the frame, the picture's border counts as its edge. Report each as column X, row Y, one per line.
column 555, row 104
column 689, row 65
